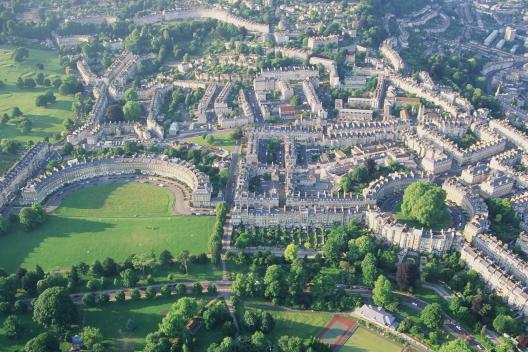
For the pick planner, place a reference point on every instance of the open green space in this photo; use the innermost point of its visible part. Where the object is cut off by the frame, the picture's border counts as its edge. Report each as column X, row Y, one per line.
column 364, row 340
column 305, row 324
column 221, row 140
column 295, row 322
column 112, row 320
column 114, row 200
column 46, row 121
column 120, row 220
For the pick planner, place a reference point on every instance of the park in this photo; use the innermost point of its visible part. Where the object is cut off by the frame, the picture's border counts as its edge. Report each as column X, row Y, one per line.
column 109, row 220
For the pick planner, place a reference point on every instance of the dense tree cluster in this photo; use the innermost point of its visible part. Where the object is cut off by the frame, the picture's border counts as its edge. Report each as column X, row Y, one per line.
column 215, row 240
column 424, row 202
column 504, row 222
column 45, row 99
column 463, row 74
column 32, row 217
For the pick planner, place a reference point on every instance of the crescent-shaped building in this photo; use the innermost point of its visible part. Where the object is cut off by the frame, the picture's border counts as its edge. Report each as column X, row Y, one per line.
column 182, row 171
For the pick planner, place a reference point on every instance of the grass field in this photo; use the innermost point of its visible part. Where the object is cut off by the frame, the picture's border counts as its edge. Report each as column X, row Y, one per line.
column 112, row 320
column 102, row 221
column 222, row 140
column 305, row 324
column 295, row 322
column 364, row 340
column 47, row 121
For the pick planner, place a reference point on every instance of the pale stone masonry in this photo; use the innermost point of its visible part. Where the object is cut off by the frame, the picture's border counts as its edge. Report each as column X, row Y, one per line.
column 388, row 50
column 40, row 188
column 502, row 255
column 508, row 131
column 21, row 171
column 512, row 291
column 387, row 228
column 315, row 42
column 206, row 103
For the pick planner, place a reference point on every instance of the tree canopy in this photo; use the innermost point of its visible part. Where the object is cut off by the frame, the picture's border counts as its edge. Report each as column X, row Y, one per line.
column 424, row 202
column 54, row 307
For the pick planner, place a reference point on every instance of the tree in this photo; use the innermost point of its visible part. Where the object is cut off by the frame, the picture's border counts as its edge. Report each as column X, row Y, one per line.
column 369, row 269
column 129, row 277
column 120, row 296
column 131, row 95
column 67, row 148
column 431, row 316
column 32, row 217
column 237, row 134
column 132, row 110
column 165, row 291
column 290, row 253
column 54, row 307
column 12, row 327
column 215, row 315
column 88, row 300
column 196, row 289
column 70, row 86
column 45, row 99
column 165, row 258
column 174, row 322
column 183, row 258
column 150, row 292
column 91, row 336
column 45, row 342
column 110, row 267
column 135, row 295
column 16, row 112
column 275, row 282
column 114, row 113
column 406, row 275
column 424, row 202
column 24, row 125
column 382, row 293
column 455, row 346
column 506, row 324
column 295, row 101
column 20, row 54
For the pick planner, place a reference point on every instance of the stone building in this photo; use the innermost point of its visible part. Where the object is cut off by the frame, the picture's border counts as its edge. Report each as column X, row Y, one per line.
column 21, row 171
column 40, row 188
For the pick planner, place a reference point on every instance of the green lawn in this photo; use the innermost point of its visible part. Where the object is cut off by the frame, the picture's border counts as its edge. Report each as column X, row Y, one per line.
column 120, row 220
column 364, row 340
column 305, row 324
column 295, row 322
column 112, row 319
column 47, row 121
column 222, row 140
column 113, row 200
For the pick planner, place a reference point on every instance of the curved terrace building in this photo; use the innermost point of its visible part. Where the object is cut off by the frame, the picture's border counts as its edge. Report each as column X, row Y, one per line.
column 176, row 169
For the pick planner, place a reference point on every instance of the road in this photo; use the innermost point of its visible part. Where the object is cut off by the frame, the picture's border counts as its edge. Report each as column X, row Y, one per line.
column 450, row 325
column 224, row 290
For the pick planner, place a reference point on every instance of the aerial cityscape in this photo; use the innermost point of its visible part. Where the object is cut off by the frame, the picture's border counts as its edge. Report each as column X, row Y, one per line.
column 263, row 175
